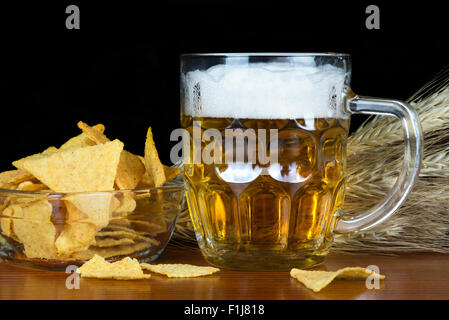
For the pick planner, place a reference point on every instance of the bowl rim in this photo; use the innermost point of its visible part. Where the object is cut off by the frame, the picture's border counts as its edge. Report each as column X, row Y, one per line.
column 175, row 186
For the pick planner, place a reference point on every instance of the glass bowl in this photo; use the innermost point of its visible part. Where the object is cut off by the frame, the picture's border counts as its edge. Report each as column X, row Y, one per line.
column 53, row 230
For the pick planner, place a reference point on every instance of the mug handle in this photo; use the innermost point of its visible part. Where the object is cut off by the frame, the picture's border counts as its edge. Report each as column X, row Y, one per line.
column 412, row 160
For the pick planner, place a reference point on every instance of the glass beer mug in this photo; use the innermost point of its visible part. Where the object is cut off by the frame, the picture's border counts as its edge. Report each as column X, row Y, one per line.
column 264, row 157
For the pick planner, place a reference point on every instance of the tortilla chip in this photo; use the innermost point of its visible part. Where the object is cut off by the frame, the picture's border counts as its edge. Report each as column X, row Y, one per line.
column 13, row 177
column 6, row 223
column 31, row 186
column 155, row 226
column 90, row 168
column 127, row 234
column 115, row 203
column 81, row 140
column 171, row 172
column 92, row 208
column 129, row 170
column 114, row 227
column 152, row 163
column 19, row 163
column 110, row 252
column 33, row 227
column 125, row 269
column 176, row 270
column 86, row 215
column 127, row 205
column 147, row 180
column 111, row 242
column 75, row 237
column 120, row 221
column 317, row 280
column 3, row 241
column 93, row 134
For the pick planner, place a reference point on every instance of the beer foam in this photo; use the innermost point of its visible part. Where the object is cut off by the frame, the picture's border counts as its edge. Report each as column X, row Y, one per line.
column 265, row 91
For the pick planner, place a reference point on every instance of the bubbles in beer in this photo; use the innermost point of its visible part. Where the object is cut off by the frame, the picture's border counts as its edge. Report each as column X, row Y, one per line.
column 265, row 91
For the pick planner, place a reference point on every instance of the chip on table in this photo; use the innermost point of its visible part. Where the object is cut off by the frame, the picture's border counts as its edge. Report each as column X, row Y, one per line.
column 178, row 270
column 125, row 269
column 317, row 280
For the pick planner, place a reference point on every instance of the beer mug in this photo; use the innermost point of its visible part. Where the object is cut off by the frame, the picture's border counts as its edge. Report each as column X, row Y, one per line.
column 265, row 152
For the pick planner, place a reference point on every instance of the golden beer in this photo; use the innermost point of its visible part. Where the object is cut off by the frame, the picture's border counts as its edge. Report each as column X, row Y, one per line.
column 283, row 209
column 264, row 148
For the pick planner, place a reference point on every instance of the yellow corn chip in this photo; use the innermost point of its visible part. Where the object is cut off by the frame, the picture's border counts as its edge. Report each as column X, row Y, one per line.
column 115, row 203
column 33, row 227
column 147, row 180
column 81, row 140
column 111, row 242
column 19, row 163
column 155, row 226
column 127, row 234
column 90, row 168
column 110, row 252
column 93, row 134
column 127, row 204
column 30, row 186
column 92, row 208
column 76, row 236
column 13, row 177
column 114, row 227
column 120, row 221
column 179, row 270
column 86, row 214
column 6, row 223
column 125, row 269
column 152, row 163
column 130, row 169
column 3, row 241
column 317, row 280
column 171, row 172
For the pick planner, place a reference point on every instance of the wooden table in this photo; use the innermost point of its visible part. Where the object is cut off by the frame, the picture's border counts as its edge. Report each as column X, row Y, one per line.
column 408, row 276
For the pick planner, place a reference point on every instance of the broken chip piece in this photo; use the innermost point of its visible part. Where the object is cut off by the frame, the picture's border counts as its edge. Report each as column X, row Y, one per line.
column 125, row 269
column 317, row 280
column 177, row 270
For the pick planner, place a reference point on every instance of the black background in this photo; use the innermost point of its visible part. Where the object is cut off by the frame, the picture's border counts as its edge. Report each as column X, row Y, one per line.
column 122, row 67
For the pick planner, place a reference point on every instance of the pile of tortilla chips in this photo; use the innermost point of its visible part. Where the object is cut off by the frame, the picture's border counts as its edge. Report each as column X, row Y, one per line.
column 79, row 224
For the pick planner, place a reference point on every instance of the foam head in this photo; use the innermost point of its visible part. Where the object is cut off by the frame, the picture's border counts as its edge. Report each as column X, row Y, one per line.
column 265, row 91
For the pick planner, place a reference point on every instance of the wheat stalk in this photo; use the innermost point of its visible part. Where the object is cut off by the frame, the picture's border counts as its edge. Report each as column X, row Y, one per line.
column 374, row 159
column 375, row 154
